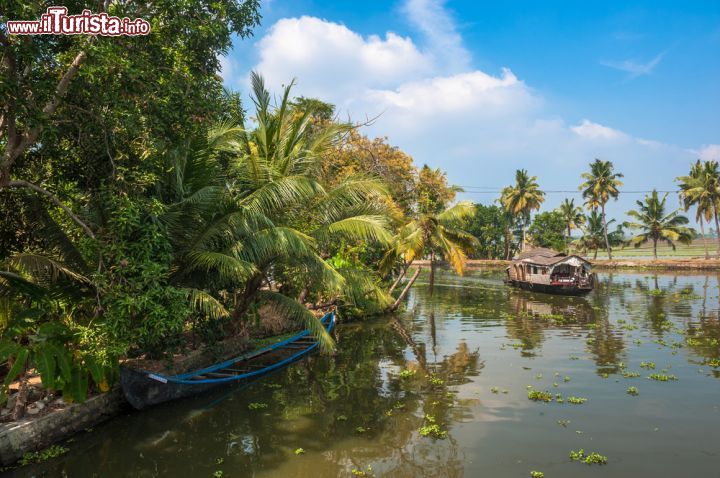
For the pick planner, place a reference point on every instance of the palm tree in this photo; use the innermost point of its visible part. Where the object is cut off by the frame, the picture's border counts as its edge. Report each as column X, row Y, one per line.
column 266, row 219
column 522, row 198
column 573, row 216
column 435, row 234
column 593, row 237
column 700, row 189
column 601, row 184
column 657, row 225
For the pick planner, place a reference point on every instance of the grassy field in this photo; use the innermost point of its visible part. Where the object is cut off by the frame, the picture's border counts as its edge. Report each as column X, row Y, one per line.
column 696, row 249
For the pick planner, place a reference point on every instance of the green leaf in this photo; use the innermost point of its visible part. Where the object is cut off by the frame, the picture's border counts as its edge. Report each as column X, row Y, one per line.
column 76, row 390
column 18, row 366
column 45, row 363
column 7, row 349
column 64, row 361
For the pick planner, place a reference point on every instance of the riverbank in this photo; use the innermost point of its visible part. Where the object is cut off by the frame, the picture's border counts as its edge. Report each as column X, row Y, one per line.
column 50, row 420
column 669, row 264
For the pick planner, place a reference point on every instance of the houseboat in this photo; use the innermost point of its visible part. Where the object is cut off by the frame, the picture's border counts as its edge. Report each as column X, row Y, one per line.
column 551, row 272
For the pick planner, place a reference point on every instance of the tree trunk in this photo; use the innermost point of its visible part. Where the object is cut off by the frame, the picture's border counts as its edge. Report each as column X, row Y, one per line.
column 717, row 227
column 567, row 241
column 406, row 289
column 22, row 396
column 399, row 277
column 507, row 244
column 607, row 242
column 655, row 249
column 702, row 233
column 432, row 272
column 522, row 241
column 595, row 256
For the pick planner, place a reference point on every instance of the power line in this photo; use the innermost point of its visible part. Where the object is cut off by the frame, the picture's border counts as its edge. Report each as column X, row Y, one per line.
column 498, row 191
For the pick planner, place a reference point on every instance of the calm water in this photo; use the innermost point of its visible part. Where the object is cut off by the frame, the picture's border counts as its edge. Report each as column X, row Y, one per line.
column 475, row 347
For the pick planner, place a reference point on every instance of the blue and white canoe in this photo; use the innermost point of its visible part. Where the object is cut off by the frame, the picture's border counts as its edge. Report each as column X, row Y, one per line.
column 144, row 389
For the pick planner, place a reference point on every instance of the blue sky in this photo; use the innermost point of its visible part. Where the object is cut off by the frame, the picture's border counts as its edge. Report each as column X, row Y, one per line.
column 483, row 88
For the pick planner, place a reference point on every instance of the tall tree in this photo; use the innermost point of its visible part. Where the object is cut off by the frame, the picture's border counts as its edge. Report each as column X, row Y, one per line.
column 522, row 198
column 593, row 237
column 601, row 184
column 548, row 230
column 573, row 217
column 701, row 188
column 436, row 234
column 656, row 224
column 90, row 108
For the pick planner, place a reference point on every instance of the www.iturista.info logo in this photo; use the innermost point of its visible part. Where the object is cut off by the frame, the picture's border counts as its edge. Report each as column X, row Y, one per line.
column 56, row 21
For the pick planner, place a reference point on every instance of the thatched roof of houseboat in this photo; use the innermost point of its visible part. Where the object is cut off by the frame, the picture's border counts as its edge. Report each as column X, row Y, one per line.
column 542, row 256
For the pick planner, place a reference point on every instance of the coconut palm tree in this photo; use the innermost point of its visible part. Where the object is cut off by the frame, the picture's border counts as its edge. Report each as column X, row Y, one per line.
column 522, row 198
column 593, row 237
column 601, row 184
column 573, row 216
column 435, row 234
column 266, row 216
column 658, row 225
column 700, row 189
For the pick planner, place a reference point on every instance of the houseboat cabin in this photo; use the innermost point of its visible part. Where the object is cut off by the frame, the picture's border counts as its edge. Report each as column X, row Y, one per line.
column 552, row 272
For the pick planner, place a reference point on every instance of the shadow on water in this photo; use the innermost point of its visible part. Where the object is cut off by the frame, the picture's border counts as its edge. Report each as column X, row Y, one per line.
column 456, row 366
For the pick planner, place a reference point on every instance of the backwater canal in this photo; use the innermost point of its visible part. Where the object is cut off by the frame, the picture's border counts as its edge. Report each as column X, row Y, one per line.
column 459, row 365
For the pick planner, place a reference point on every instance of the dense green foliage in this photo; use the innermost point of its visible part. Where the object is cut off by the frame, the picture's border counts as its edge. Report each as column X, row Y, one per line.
column 141, row 211
column 548, row 230
column 489, row 225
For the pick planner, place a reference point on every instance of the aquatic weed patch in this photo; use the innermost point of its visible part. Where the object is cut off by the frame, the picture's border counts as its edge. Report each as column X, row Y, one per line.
column 632, row 391
column 590, row 459
column 538, row 396
column 661, row 377
column 433, row 430
column 407, row 373
column 576, row 400
column 41, row 456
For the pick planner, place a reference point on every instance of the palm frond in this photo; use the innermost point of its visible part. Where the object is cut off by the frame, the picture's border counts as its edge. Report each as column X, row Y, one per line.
column 294, row 310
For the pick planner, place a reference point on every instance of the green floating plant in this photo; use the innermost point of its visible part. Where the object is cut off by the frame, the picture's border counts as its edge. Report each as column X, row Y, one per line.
column 647, row 365
column 537, row 474
column 40, row 456
column 407, row 373
column 257, row 405
column 299, row 451
column 661, row 377
column 591, row 459
column 633, row 391
column 538, row 396
column 577, row 400
column 433, row 430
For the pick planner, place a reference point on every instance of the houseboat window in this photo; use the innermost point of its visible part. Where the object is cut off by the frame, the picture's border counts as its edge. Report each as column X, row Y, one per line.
column 534, row 269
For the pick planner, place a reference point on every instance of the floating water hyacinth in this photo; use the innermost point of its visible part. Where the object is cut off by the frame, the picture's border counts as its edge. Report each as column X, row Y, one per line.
column 577, row 400
column 538, row 396
column 407, row 373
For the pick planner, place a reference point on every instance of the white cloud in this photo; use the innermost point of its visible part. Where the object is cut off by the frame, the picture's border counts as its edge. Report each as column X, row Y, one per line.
column 328, row 58
column 634, row 68
column 227, row 67
column 438, row 27
column 708, row 152
column 479, row 126
column 588, row 129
